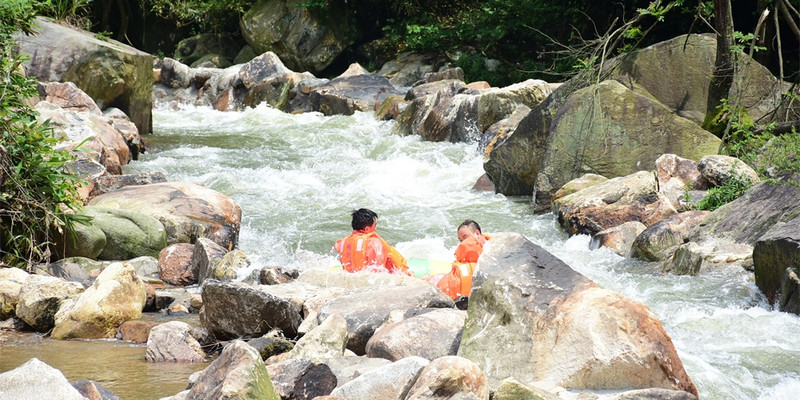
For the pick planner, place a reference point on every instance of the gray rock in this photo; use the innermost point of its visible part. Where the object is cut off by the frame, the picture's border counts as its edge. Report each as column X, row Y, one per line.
column 94, row 391
column 776, row 258
column 657, row 242
column 365, row 311
column 40, row 299
column 269, row 345
column 238, row 373
column 654, row 394
column 205, row 258
column 327, row 340
column 390, row 382
column 108, row 71
column 11, row 282
column 409, row 68
column 450, row 377
column 175, row 74
column 512, row 389
column 174, row 341
column 498, row 104
column 349, row 94
column 349, row 367
column 430, row 335
column 693, row 258
column 449, row 87
column 232, row 310
column 110, row 183
column 36, row 380
column 300, row 379
column 442, row 117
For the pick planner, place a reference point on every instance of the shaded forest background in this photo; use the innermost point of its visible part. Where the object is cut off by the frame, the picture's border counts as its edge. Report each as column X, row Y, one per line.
column 527, row 38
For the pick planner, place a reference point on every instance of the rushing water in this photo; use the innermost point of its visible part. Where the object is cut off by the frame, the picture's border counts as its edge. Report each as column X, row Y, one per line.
column 297, row 177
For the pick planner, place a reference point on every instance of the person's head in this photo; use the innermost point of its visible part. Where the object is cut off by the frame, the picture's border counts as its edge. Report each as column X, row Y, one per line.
column 467, row 229
column 363, row 218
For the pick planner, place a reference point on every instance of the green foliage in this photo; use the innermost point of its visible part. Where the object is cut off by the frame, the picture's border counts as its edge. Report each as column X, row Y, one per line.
column 720, row 195
column 743, row 42
column 72, row 12
column 215, row 15
column 38, row 196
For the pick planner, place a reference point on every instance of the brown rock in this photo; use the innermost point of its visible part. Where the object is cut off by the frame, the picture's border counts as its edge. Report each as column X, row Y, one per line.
column 68, row 96
column 448, row 376
column 484, row 184
column 619, row 238
column 479, row 85
column 175, row 264
column 136, row 331
column 653, row 243
column 110, row 183
column 676, row 176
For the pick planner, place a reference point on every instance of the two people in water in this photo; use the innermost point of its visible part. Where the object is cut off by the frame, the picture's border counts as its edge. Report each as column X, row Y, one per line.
column 364, row 249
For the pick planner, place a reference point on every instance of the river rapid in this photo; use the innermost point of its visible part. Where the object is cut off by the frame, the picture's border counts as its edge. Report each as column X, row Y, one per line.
column 297, row 177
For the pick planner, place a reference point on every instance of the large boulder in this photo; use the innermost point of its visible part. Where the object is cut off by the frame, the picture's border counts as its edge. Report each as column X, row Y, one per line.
column 301, row 379
column 36, row 380
column 40, row 299
column 390, row 382
column 232, row 310
column 175, row 264
column 429, row 335
column 690, row 61
column 11, row 282
column 498, row 104
column 188, row 211
column 776, row 259
column 408, row 68
column 174, row 341
column 656, row 241
column 348, row 94
column 448, row 377
column 613, row 130
column 129, row 234
column 112, row 73
column 719, row 169
column 304, row 40
column 558, row 326
column 116, row 296
column 364, row 311
column 238, row 373
column 611, row 203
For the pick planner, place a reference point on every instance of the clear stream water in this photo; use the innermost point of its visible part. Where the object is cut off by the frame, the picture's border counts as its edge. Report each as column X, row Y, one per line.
column 297, row 177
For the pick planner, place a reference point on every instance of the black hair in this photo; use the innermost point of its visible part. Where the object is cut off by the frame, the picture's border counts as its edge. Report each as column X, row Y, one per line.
column 363, row 218
column 472, row 224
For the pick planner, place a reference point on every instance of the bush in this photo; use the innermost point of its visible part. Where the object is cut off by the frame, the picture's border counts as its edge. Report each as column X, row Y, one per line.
column 720, row 195
column 38, row 195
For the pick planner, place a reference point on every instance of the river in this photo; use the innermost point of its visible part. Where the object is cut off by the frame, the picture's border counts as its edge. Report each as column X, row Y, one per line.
column 297, row 177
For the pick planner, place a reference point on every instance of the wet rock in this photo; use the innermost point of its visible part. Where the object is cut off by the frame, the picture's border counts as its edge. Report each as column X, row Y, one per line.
column 13, row 324
column 349, row 94
column 269, row 346
column 94, row 391
column 116, row 296
column 430, row 335
column 120, row 121
column 447, row 377
column 129, row 234
column 500, row 130
column 498, row 104
column 174, row 73
column 237, row 373
column 693, row 258
column 442, row 117
column 136, row 331
column 390, row 108
column 718, row 169
column 274, row 276
column 206, row 257
column 66, row 270
column 110, row 183
column 449, row 88
column 776, row 258
column 11, row 282
column 188, row 211
column 41, row 297
column 31, row 380
column 447, row 73
column 658, row 241
column 580, row 135
column 174, row 341
column 302, row 39
column 228, row 267
column 301, row 379
column 484, row 184
column 108, row 71
column 619, row 238
column 611, row 203
column 512, row 389
column 676, row 176
column 175, row 264
column 194, row 48
column 390, row 382
column 559, row 327
column 365, row 311
column 654, row 394
column 232, row 310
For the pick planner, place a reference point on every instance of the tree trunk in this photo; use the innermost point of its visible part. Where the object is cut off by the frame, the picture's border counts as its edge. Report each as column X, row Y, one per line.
column 722, row 78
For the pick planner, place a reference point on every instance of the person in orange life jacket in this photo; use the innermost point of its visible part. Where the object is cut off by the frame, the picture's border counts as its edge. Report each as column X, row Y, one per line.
column 365, row 248
column 458, row 282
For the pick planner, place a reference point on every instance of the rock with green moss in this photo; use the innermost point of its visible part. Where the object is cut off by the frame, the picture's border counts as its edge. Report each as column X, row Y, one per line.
column 238, row 373
column 512, row 389
column 112, row 73
column 82, row 241
column 196, row 47
column 614, row 130
column 129, row 234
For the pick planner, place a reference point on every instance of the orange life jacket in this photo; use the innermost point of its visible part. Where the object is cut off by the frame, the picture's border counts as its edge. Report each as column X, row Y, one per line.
column 469, row 250
column 353, row 253
column 458, row 282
